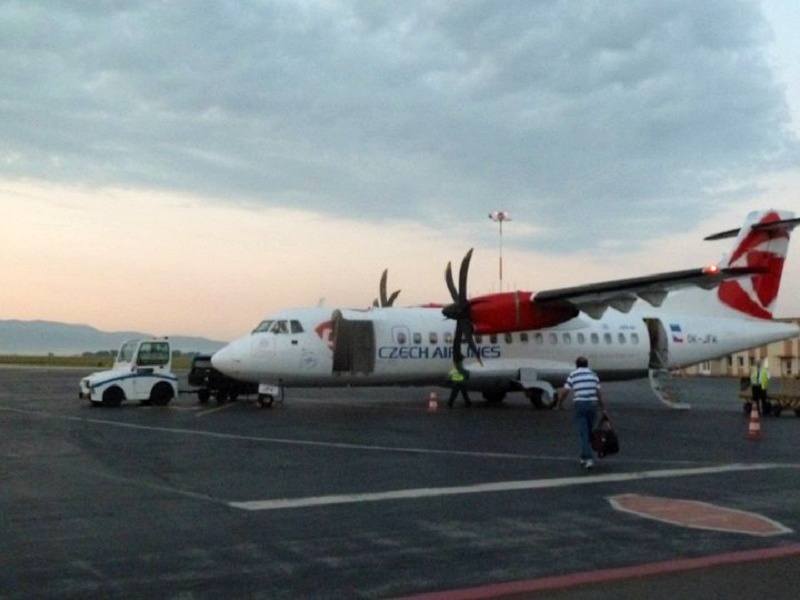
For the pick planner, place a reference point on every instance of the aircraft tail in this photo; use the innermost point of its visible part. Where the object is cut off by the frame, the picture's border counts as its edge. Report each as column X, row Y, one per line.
column 761, row 243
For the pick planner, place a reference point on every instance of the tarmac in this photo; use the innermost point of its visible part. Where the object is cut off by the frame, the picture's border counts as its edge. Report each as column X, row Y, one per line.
column 370, row 493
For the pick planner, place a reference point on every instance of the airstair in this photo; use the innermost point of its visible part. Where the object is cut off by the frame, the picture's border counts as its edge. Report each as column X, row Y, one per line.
column 665, row 385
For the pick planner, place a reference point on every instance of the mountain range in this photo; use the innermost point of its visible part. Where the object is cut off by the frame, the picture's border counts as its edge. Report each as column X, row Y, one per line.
column 51, row 337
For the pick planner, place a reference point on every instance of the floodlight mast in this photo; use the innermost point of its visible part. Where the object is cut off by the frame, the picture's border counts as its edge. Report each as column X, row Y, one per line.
column 499, row 216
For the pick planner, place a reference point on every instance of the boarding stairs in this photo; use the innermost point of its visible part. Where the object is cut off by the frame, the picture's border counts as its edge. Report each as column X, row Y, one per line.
column 665, row 385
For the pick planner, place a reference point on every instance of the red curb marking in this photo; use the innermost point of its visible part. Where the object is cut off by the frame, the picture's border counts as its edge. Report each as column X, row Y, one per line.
column 608, row 575
column 697, row 515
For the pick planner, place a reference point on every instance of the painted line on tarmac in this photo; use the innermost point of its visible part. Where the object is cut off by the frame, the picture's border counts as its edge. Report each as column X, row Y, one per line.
column 561, row 582
column 502, row 486
column 338, row 445
column 307, row 443
column 216, row 409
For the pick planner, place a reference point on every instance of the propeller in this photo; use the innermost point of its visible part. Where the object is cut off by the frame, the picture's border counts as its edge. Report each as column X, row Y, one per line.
column 385, row 301
column 460, row 309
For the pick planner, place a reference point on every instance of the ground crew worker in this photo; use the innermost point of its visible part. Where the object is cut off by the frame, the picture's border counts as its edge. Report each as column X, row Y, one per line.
column 759, row 382
column 458, row 383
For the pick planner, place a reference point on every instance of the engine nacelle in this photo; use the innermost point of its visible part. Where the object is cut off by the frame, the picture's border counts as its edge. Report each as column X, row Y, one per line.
column 514, row 311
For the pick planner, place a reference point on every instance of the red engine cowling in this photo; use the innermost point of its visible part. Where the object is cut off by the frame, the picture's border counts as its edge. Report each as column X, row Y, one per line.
column 514, row 311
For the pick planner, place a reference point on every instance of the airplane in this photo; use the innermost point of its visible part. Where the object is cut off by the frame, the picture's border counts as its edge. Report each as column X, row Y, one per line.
column 642, row 327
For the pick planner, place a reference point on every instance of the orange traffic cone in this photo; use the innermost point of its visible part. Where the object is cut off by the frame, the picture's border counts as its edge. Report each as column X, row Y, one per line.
column 754, row 429
column 433, row 402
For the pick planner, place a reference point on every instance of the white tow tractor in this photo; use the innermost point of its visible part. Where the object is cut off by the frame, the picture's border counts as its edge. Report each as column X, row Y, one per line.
column 142, row 371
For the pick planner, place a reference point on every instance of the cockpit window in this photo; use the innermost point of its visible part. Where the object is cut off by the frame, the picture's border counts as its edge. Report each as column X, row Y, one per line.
column 296, row 327
column 263, row 326
column 280, row 327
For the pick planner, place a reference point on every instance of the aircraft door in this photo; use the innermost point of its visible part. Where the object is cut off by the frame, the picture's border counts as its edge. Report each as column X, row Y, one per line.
column 353, row 345
column 659, row 344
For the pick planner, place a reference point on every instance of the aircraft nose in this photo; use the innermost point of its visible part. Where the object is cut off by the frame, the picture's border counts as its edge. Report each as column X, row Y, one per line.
column 227, row 360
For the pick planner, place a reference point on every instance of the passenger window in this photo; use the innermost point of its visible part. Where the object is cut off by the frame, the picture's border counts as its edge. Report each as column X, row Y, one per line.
column 634, row 338
column 581, row 339
column 567, row 338
column 448, row 338
column 478, row 339
column 417, row 338
column 595, row 338
column 538, row 338
column 607, row 338
column 296, row 327
column 509, row 338
column 493, row 338
column 523, row 337
column 553, row 338
column 622, row 338
column 401, row 337
column 433, row 338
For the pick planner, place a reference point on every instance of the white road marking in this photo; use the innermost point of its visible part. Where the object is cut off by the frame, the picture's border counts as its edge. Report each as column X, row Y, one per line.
column 287, row 503
column 502, row 486
column 301, row 442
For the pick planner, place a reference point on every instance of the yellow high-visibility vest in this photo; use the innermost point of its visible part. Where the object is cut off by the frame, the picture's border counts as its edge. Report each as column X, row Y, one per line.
column 759, row 376
column 456, row 375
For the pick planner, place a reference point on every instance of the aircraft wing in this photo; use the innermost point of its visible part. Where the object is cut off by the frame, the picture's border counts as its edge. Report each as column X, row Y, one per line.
column 621, row 294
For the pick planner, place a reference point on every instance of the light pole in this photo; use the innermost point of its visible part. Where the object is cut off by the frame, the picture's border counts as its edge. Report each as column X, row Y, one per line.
column 499, row 216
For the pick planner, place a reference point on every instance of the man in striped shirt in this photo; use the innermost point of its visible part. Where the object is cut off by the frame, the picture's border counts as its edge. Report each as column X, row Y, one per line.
column 586, row 397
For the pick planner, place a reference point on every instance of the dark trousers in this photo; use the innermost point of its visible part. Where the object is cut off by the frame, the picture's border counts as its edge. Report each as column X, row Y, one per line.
column 586, row 418
column 759, row 398
column 454, row 391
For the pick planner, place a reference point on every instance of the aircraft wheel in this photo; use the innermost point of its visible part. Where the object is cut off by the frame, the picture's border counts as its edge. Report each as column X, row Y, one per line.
column 265, row 400
column 494, row 396
column 539, row 399
column 203, row 395
column 113, row 397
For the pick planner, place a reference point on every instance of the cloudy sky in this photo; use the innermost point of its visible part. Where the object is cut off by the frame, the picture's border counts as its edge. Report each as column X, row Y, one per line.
column 189, row 167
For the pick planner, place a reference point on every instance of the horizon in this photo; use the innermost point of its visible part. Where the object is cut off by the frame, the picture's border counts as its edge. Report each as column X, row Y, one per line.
column 193, row 171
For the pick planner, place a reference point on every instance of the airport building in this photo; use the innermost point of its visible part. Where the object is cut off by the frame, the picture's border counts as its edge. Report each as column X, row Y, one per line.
column 783, row 359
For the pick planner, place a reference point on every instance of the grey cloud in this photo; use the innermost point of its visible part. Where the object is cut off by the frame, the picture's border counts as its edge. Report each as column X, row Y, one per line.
column 414, row 110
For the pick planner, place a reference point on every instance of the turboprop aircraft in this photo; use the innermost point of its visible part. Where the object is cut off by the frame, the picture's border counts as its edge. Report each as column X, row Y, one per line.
column 528, row 341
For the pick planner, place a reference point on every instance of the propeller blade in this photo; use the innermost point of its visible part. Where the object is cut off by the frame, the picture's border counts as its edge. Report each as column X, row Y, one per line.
column 469, row 331
column 448, row 277
column 462, row 276
column 459, row 310
column 392, row 298
column 383, row 288
column 458, row 356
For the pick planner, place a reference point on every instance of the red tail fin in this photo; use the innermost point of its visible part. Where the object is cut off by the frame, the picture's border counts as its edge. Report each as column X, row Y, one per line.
column 761, row 243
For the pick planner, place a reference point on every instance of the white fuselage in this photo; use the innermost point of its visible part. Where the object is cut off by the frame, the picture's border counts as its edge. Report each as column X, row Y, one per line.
column 413, row 346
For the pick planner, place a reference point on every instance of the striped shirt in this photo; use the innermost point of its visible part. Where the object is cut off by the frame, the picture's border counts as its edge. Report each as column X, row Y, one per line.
column 584, row 384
